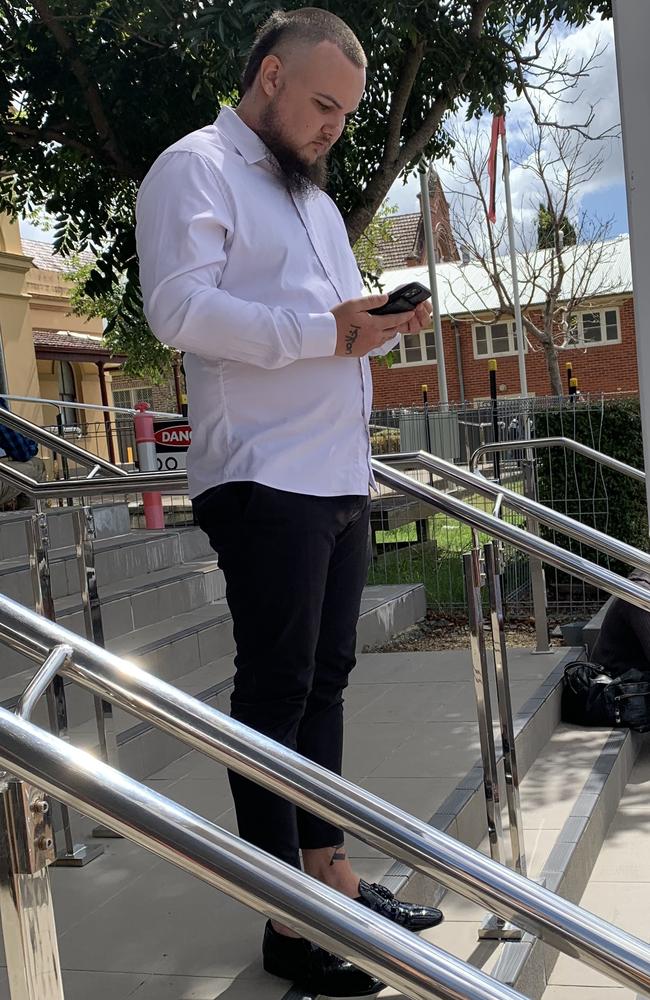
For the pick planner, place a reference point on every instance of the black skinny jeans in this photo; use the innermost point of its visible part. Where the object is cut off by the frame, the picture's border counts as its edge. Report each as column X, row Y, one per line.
column 295, row 567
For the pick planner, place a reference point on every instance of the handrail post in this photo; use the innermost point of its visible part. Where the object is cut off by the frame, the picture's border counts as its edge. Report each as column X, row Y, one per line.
column 84, row 537
column 472, row 569
column 504, row 702
column 72, row 855
column 537, row 574
column 493, row 927
column 26, row 910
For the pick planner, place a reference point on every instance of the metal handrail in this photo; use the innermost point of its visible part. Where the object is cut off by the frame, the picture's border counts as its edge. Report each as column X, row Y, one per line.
column 552, row 442
column 169, row 482
column 381, row 824
column 532, row 545
column 55, row 443
column 266, row 884
column 67, row 404
column 524, row 505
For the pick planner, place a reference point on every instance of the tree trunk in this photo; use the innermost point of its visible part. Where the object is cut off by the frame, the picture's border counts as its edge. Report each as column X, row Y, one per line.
column 553, row 365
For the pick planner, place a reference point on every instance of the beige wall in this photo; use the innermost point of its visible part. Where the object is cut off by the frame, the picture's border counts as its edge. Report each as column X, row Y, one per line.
column 15, row 321
column 50, row 305
column 34, row 299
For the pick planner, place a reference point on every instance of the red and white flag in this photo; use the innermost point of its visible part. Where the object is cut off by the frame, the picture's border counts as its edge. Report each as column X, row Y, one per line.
column 498, row 129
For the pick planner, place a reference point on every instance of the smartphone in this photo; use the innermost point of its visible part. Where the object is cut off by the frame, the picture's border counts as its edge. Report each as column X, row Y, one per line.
column 403, row 299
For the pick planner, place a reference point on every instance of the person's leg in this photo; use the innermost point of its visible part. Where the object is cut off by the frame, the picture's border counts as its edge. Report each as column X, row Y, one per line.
column 320, row 736
column 274, row 549
column 8, row 492
column 35, row 469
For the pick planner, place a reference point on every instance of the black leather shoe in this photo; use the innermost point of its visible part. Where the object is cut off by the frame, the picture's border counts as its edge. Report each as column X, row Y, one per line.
column 313, row 969
column 408, row 915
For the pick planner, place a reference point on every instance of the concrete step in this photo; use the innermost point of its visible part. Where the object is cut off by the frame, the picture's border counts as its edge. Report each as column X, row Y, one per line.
column 110, row 519
column 194, row 650
column 570, row 794
column 411, row 737
column 617, row 887
column 117, row 558
column 145, row 600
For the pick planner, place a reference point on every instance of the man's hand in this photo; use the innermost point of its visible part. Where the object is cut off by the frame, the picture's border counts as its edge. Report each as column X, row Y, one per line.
column 358, row 332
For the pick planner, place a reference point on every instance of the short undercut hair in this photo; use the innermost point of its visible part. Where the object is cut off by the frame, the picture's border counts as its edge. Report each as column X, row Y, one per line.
column 308, row 24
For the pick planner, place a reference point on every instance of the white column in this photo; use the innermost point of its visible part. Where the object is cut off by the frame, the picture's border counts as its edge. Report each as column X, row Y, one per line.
column 632, row 32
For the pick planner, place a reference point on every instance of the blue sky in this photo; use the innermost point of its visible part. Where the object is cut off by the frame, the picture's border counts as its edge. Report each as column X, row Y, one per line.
column 604, row 197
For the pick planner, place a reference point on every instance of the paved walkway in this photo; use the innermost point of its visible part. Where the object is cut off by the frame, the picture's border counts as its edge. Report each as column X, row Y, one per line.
column 618, row 889
column 131, row 926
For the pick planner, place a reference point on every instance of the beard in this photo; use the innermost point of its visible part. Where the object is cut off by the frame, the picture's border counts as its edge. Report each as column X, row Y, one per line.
column 299, row 176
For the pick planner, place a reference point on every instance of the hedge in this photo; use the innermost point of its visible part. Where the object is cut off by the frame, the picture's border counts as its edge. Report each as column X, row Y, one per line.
column 587, row 491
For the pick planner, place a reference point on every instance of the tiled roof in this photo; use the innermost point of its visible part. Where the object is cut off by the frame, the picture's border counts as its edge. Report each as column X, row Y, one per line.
column 69, row 341
column 46, row 260
column 402, row 242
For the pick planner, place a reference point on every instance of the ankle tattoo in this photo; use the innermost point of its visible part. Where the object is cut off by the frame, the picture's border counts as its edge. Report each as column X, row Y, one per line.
column 338, row 855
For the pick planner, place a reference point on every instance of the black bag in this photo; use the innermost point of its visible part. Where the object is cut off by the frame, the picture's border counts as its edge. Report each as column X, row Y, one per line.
column 592, row 697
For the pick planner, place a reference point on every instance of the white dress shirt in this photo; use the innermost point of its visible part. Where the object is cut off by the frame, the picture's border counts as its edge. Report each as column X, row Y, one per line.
column 241, row 275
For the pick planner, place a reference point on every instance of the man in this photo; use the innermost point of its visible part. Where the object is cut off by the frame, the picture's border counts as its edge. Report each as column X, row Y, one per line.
column 20, row 453
column 624, row 638
column 246, row 266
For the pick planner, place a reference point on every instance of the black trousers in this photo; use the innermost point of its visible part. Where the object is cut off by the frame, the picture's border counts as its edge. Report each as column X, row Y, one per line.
column 295, row 567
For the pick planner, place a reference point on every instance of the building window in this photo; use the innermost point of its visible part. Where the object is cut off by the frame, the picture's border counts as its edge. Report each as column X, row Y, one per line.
column 491, row 339
column 416, row 348
column 68, row 394
column 599, row 326
column 127, row 398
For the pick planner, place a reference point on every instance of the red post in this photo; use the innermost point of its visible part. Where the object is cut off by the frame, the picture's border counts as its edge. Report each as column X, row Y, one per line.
column 154, row 517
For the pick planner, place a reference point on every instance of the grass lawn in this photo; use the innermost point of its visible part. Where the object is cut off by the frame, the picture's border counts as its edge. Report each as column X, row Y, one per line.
column 437, row 563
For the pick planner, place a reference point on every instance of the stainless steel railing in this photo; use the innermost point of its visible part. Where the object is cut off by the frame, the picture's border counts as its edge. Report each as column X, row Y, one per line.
column 556, row 442
column 194, row 845
column 478, row 520
column 78, row 779
column 55, row 443
column 524, row 505
column 530, row 447
column 532, row 545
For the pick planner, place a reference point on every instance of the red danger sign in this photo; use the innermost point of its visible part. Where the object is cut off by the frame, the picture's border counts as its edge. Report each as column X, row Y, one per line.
column 173, row 436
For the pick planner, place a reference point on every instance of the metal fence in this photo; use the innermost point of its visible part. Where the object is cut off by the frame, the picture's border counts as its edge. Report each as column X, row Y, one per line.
column 410, row 545
column 93, row 436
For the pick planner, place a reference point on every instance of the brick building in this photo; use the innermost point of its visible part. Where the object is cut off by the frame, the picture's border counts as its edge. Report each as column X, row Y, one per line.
column 405, row 245
column 600, row 343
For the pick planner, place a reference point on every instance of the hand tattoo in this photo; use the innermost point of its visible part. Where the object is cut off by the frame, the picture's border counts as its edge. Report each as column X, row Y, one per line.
column 350, row 338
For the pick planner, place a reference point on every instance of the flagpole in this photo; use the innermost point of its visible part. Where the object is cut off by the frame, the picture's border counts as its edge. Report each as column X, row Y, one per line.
column 519, row 327
column 425, row 206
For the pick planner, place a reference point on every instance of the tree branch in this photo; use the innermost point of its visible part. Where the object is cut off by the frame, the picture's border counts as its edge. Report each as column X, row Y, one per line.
column 411, row 64
column 29, row 138
column 376, row 191
column 88, row 86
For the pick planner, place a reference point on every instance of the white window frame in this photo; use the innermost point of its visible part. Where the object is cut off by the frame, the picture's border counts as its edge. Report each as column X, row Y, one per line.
column 491, row 353
column 401, row 348
column 581, row 343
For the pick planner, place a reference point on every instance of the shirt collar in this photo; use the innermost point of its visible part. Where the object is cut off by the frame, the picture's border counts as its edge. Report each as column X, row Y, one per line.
column 245, row 141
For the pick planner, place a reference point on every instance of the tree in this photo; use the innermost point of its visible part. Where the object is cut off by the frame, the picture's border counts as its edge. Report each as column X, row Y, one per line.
column 368, row 247
column 563, row 251
column 546, row 233
column 91, row 92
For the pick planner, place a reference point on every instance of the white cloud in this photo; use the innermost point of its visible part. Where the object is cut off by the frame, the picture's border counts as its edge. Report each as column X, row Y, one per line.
column 599, row 90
